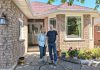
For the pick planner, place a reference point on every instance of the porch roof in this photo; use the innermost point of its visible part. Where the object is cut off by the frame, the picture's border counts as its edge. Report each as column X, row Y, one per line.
column 24, row 7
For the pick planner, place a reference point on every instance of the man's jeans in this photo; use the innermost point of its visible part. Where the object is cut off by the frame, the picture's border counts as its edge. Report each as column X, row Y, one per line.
column 42, row 51
column 52, row 47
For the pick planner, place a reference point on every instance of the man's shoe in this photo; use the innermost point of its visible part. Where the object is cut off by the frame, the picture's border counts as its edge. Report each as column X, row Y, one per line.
column 55, row 62
column 40, row 60
column 51, row 62
column 54, row 65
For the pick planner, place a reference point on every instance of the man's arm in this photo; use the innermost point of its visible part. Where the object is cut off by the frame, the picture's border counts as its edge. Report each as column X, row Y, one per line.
column 56, row 38
column 47, row 39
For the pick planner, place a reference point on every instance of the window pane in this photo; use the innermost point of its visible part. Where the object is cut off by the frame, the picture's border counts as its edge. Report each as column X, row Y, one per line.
column 98, row 28
column 73, row 27
column 53, row 22
column 28, row 28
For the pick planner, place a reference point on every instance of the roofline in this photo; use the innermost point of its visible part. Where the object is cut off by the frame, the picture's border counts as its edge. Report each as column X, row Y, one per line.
column 68, row 10
column 82, row 10
column 28, row 4
column 28, row 14
column 57, row 11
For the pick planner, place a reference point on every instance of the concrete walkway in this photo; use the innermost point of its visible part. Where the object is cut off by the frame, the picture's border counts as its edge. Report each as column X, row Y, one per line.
column 32, row 63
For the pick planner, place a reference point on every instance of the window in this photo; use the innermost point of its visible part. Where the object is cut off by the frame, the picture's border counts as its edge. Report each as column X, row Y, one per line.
column 53, row 22
column 73, row 27
column 35, row 28
column 98, row 28
column 28, row 28
column 21, row 35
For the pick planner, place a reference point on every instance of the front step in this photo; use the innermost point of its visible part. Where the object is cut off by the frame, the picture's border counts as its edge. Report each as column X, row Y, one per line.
column 33, row 49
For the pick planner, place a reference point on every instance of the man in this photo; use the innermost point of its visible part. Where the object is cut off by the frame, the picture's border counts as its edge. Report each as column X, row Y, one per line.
column 52, row 35
column 41, row 41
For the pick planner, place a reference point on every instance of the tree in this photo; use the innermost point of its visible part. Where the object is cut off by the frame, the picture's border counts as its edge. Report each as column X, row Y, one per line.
column 70, row 2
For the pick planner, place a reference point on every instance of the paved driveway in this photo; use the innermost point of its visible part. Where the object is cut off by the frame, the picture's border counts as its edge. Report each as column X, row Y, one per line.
column 32, row 63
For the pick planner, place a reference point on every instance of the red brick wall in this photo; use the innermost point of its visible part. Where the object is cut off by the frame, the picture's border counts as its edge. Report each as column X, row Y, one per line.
column 96, row 36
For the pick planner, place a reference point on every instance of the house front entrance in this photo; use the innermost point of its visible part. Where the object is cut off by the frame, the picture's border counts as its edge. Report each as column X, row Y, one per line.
column 34, row 28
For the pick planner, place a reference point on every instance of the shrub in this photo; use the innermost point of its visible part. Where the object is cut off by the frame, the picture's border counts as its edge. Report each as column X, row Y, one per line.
column 96, row 52
column 89, row 54
column 81, row 54
column 84, row 54
column 73, row 53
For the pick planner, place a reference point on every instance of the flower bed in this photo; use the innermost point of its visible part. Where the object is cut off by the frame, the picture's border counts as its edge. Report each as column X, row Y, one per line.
column 87, row 57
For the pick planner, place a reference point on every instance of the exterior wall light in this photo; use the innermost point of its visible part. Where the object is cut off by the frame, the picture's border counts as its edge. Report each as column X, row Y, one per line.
column 3, row 19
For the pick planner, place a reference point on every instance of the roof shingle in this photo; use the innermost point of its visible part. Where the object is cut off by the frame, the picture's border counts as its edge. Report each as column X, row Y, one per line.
column 40, row 8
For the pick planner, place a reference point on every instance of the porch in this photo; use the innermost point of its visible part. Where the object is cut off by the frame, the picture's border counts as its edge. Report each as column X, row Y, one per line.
column 34, row 28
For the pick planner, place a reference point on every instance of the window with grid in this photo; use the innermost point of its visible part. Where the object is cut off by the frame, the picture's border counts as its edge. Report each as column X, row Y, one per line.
column 73, row 27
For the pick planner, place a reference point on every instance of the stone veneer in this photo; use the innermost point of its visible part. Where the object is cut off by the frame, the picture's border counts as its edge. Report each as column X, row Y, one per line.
column 10, row 45
column 65, row 44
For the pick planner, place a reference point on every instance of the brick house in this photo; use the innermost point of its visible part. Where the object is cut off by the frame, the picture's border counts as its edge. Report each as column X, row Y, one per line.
column 73, row 23
column 11, row 42
column 97, row 32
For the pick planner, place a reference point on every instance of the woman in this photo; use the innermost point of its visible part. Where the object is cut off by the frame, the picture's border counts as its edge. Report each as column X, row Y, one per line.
column 41, row 42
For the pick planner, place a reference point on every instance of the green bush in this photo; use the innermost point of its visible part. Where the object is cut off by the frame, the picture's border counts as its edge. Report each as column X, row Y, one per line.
column 73, row 53
column 84, row 54
column 89, row 54
column 96, row 52
column 81, row 54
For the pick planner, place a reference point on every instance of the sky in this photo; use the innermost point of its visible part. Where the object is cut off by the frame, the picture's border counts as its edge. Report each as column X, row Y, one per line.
column 88, row 3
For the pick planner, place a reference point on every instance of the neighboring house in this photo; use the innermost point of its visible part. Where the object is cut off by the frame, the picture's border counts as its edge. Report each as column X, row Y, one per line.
column 97, row 32
column 73, row 23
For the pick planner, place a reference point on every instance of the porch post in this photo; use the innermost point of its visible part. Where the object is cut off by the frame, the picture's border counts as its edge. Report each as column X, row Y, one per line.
column 46, row 24
column 58, row 22
column 91, row 33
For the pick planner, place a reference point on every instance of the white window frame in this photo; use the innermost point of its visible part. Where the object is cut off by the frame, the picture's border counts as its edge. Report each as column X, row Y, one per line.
column 66, row 38
column 21, row 26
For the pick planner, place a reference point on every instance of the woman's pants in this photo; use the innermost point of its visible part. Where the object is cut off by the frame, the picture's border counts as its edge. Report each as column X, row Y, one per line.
column 42, row 51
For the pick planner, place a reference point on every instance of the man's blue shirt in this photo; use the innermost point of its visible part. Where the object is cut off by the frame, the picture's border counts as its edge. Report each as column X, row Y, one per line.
column 51, row 36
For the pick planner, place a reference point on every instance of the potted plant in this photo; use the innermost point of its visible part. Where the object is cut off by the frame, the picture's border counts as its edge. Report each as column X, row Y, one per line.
column 73, row 53
column 21, row 61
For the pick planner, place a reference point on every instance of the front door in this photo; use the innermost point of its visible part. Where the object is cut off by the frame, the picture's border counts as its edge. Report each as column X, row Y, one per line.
column 34, row 30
